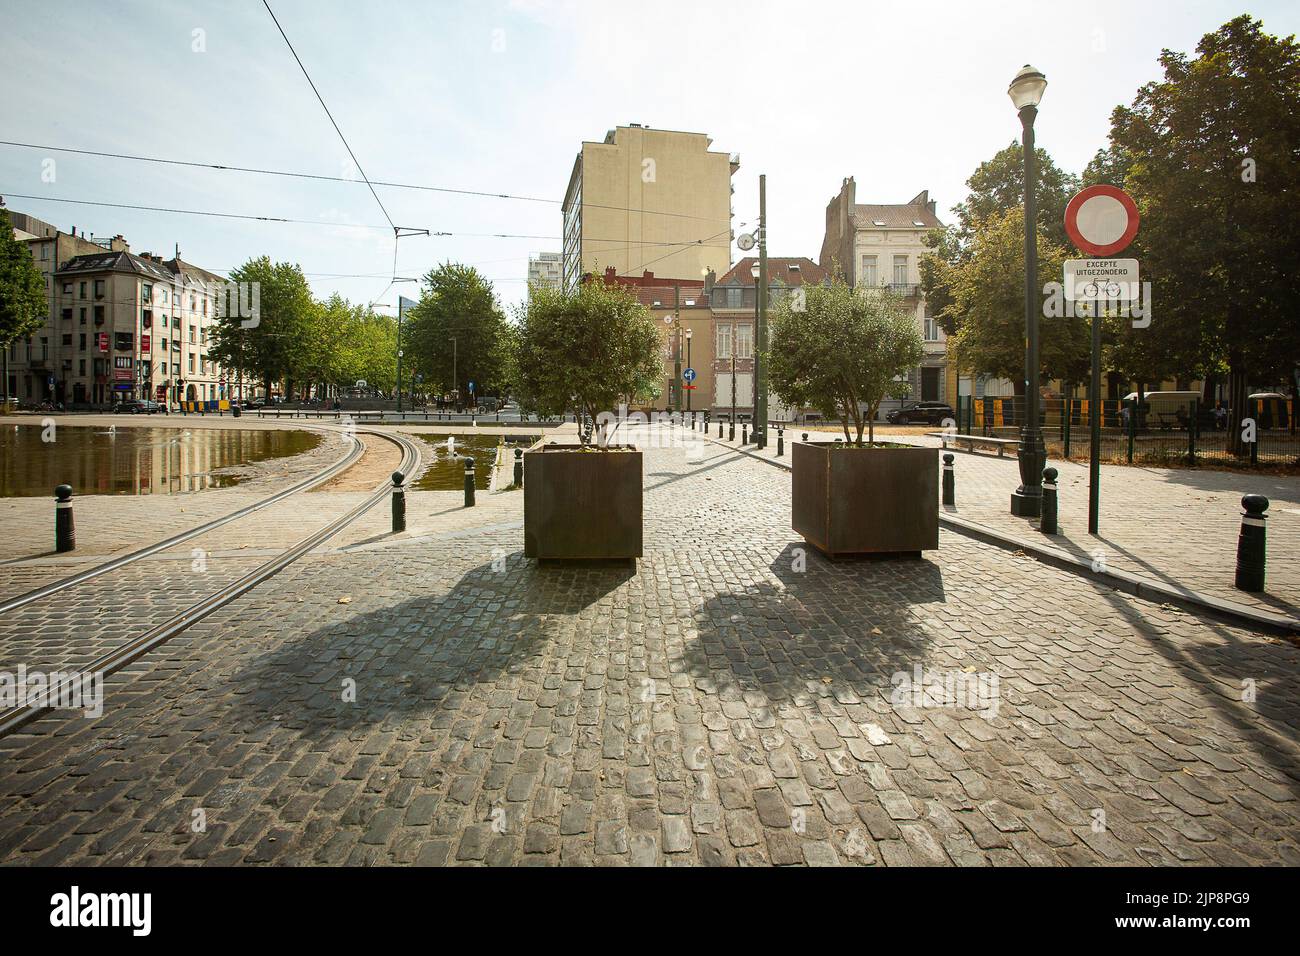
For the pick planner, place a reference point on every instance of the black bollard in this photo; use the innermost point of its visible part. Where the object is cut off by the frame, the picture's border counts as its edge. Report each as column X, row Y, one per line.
column 469, row 482
column 731, row 431
column 519, row 467
column 1047, row 516
column 719, row 429
column 65, row 534
column 805, row 437
column 744, row 433
column 399, row 503
column 780, row 442
column 949, row 482
column 1250, row 544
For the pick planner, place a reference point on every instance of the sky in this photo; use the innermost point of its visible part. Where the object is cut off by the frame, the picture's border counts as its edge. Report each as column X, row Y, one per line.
column 496, row 96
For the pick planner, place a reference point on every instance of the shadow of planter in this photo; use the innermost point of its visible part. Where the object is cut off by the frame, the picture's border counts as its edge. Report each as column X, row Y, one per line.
column 582, row 504
column 848, row 500
column 834, row 627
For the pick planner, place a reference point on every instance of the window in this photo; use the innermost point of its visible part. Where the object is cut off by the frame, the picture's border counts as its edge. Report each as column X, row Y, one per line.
column 164, row 296
column 723, row 350
column 124, row 341
column 744, row 341
column 82, row 370
column 67, row 339
column 146, row 292
column 869, row 276
column 191, row 335
column 734, row 298
column 146, row 318
column 122, row 361
column 900, row 270
column 99, row 315
column 931, row 329
column 82, row 342
column 99, row 288
column 67, row 315
column 67, row 288
column 82, row 317
column 81, row 292
column 164, row 324
column 191, row 363
column 45, row 250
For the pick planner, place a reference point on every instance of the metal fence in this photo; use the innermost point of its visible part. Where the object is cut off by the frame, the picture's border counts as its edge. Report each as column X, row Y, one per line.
column 1160, row 431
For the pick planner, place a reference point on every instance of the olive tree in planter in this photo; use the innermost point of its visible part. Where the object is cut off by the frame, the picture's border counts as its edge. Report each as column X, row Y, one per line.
column 843, row 353
column 588, row 350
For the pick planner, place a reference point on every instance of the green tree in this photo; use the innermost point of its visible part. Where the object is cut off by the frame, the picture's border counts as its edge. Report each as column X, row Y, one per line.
column 844, row 353
column 458, row 334
column 277, row 345
column 1209, row 154
column 588, row 349
column 988, row 306
column 22, row 294
column 996, row 187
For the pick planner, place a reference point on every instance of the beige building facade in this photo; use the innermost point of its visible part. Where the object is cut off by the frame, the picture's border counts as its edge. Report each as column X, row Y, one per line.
column 882, row 245
column 120, row 326
column 648, row 199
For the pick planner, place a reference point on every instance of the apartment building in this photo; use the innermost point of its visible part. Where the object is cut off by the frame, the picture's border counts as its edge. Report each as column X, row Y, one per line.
column 120, row 325
column 647, row 198
column 545, row 270
column 882, row 244
column 734, row 300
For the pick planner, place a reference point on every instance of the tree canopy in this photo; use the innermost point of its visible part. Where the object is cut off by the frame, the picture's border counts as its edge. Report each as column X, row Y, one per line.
column 22, row 288
column 588, row 349
column 844, row 353
column 458, row 334
column 987, row 306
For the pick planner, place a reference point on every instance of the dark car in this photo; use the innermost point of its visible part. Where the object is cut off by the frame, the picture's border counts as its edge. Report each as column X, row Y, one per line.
column 137, row 407
column 931, row 413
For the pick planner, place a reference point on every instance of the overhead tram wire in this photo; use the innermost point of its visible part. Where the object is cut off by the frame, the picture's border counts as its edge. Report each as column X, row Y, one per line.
column 343, row 179
column 347, row 225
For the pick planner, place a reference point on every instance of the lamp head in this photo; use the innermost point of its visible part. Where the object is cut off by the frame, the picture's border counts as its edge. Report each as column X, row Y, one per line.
column 1027, row 88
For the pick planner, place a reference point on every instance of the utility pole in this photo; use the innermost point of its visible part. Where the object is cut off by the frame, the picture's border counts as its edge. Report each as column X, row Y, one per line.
column 760, row 390
column 401, row 302
column 677, row 351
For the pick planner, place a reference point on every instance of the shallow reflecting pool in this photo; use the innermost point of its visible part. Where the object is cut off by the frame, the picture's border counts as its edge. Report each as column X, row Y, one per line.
column 107, row 460
column 445, row 460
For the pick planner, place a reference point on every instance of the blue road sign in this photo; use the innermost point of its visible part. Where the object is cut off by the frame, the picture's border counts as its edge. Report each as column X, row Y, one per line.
column 688, row 375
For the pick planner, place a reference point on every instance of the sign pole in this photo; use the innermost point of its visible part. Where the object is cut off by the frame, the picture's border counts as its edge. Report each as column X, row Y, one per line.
column 1094, row 421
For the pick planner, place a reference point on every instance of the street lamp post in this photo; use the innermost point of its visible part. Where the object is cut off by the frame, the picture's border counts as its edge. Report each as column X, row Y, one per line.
column 756, row 270
column 760, row 329
column 1026, row 92
column 731, row 425
column 688, row 365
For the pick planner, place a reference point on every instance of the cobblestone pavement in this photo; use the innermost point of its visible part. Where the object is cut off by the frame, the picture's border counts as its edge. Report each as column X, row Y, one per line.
column 1176, row 526
column 727, row 700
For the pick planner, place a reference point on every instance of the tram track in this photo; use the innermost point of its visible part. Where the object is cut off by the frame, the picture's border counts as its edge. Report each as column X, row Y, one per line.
column 353, row 455
column 136, row 647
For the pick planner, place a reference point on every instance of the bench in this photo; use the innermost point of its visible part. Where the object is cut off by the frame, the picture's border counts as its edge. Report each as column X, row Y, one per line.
column 1001, row 444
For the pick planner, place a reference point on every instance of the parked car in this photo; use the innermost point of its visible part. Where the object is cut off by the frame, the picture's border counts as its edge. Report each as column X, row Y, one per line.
column 931, row 413
column 137, row 407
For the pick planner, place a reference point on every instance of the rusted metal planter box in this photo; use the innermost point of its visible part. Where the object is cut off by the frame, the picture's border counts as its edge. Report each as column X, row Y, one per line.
column 583, row 505
column 848, row 500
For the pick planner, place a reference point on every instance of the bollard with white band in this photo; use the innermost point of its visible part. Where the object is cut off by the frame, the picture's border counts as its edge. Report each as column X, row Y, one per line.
column 949, row 481
column 1250, row 544
column 1047, row 517
column 65, row 534
column 469, row 482
column 399, row 503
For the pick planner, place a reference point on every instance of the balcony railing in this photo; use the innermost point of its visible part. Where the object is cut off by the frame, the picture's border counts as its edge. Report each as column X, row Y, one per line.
column 909, row 290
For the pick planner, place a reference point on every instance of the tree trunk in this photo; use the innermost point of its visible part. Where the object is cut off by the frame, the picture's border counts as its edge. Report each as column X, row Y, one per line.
column 1237, row 410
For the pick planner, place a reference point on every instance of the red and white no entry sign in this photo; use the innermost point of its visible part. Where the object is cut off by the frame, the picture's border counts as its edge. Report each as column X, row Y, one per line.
column 1101, row 220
